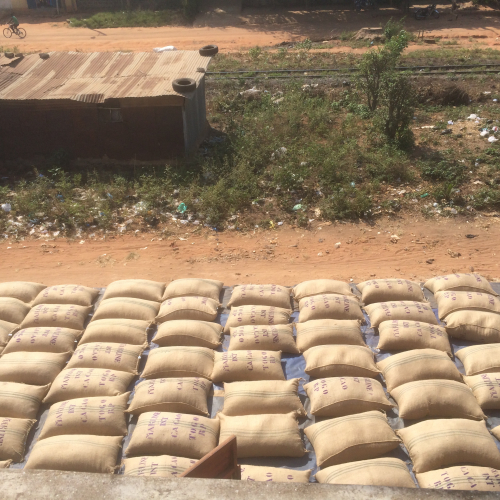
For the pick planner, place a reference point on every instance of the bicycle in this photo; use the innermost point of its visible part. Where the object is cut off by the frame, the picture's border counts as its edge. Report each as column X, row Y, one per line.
column 20, row 32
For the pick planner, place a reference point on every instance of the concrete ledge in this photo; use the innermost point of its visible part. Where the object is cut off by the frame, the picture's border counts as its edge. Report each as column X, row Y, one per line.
column 51, row 485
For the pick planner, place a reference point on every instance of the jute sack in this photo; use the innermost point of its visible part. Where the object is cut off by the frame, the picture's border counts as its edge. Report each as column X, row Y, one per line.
column 464, row 477
column 174, row 395
column 238, row 366
column 328, row 332
column 340, row 361
column 13, row 310
column 340, row 396
column 189, row 287
column 21, row 400
column 474, row 326
column 43, row 339
column 34, row 368
column 351, row 438
column 400, row 310
column 5, row 464
column 459, row 283
column 260, row 295
column 195, row 308
column 13, row 435
column 128, row 331
column 496, row 432
column 418, row 364
column 264, row 435
column 123, row 357
column 480, row 358
column 189, row 436
column 101, row 416
column 162, row 466
column 67, row 294
column 320, row 287
column 76, row 453
column 257, row 315
column 389, row 289
column 88, row 382
column 486, row 389
column 179, row 361
column 329, row 306
column 6, row 329
column 57, row 315
column 274, row 474
column 449, row 302
column 269, row 338
column 386, row 471
column 189, row 333
column 135, row 289
column 434, row 444
column 25, row 291
column 262, row 397
column 400, row 335
column 127, row 308
column 436, row 399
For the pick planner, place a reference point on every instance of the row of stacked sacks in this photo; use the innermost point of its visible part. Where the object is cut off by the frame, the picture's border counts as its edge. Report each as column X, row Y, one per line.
column 260, row 406
column 39, row 328
column 445, row 433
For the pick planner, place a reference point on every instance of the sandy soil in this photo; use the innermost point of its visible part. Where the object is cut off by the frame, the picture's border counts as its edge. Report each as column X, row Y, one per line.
column 234, row 31
column 285, row 256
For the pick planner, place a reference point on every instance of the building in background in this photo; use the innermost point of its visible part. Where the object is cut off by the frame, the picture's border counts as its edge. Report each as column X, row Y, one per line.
column 119, row 105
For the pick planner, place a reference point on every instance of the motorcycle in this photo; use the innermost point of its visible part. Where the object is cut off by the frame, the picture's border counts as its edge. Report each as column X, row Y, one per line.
column 426, row 12
column 365, row 4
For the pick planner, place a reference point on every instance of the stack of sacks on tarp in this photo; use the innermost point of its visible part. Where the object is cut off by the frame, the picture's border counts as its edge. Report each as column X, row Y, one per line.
column 352, row 433
column 174, row 428
column 86, row 422
column 261, row 408
column 471, row 310
column 40, row 348
column 19, row 400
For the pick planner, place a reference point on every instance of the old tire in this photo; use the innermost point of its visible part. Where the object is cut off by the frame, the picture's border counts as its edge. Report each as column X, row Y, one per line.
column 209, row 50
column 183, row 85
column 9, row 55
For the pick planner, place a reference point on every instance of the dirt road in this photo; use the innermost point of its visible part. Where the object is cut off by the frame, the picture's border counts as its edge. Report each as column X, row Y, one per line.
column 285, row 256
column 253, row 27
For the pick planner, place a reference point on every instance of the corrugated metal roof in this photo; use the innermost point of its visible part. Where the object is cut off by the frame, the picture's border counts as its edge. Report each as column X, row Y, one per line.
column 97, row 76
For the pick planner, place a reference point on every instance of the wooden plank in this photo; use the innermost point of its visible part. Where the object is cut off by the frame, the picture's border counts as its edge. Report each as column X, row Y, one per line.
column 220, row 463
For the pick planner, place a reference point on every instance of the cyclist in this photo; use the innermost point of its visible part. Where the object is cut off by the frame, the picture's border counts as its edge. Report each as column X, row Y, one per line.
column 13, row 23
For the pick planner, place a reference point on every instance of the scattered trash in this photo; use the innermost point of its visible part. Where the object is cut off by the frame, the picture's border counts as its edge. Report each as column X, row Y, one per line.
column 430, row 261
column 280, row 223
column 484, row 133
column 454, row 211
column 473, row 117
column 320, row 254
column 251, row 93
column 181, row 208
column 471, row 236
column 450, row 122
column 297, row 207
column 337, row 245
column 353, row 184
column 279, row 153
column 167, row 48
column 424, row 195
column 394, row 238
column 278, row 101
column 492, row 138
column 435, row 205
column 82, row 242
column 145, row 248
column 6, row 207
column 453, row 255
column 446, row 131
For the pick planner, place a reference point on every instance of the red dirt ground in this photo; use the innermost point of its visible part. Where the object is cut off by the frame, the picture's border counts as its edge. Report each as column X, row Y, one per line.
column 285, row 256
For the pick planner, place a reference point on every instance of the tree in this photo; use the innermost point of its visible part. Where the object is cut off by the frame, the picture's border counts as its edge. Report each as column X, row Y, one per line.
column 376, row 63
column 398, row 101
